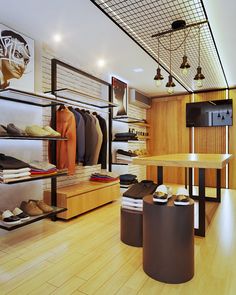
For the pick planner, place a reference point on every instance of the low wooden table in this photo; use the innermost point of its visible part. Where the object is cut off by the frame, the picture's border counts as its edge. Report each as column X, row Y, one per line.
column 200, row 161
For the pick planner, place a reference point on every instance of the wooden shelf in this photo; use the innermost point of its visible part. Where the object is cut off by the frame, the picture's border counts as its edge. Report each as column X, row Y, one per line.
column 33, row 178
column 32, row 219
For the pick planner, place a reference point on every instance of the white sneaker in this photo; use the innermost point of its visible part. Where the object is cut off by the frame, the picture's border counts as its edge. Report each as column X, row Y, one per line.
column 182, row 197
column 20, row 214
column 9, row 218
column 162, row 194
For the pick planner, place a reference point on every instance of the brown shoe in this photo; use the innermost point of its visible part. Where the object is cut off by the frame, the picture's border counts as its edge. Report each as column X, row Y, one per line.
column 31, row 208
column 44, row 207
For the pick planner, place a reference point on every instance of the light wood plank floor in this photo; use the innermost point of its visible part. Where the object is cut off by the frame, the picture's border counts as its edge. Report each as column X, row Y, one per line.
column 85, row 256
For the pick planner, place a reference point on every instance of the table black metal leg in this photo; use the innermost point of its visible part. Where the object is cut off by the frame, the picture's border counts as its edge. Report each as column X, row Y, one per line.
column 159, row 175
column 201, row 204
column 190, row 181
column 218, row 185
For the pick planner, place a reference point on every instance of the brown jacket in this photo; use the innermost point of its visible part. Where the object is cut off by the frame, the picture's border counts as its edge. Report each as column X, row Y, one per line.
column 66, row 150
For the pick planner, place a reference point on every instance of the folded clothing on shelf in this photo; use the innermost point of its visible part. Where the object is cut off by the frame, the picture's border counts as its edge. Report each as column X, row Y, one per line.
column 126, row 153
column 141, row 189
column 125, row 136
column 7, row 162
column 41, row 166
column 104, row 177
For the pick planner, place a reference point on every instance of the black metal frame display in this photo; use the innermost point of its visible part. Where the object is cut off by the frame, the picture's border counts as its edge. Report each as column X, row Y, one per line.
column 19, row 96
column 201, row 198
column 128, row 120
column 55, row 91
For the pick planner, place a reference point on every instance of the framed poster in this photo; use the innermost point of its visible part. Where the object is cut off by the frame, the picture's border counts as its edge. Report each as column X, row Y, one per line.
column 119, row 95
column 16, row 60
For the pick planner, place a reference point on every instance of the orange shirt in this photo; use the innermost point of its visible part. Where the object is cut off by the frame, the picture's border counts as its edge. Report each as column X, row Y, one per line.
column 66, row 149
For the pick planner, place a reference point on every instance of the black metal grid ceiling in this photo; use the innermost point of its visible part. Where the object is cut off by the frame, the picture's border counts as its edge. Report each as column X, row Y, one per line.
column 143, row 18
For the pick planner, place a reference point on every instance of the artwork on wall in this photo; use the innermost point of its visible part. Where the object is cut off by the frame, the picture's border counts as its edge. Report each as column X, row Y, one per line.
column 119, row 94
column 16, row 60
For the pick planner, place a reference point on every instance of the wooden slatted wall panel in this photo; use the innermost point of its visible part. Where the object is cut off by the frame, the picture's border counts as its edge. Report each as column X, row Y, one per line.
column 210, row 140
column 169, row 134
column 232, row 143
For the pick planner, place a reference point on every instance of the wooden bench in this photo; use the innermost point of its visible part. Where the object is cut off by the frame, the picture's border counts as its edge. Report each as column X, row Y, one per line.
column 84, row 196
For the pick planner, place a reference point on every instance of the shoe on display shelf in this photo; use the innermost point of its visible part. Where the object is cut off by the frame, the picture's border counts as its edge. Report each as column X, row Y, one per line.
column 162, row 194
column 182, row 197
column 9, row 218
column 19, row 213
column 31, row 208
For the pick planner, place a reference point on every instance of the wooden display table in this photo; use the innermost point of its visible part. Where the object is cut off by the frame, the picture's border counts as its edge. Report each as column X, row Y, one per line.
column 200, row 161
column 168, row 241
column 84, row 196
column 131, row 227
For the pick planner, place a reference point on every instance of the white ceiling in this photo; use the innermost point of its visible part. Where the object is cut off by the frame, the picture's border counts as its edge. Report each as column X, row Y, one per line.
column 88, row 35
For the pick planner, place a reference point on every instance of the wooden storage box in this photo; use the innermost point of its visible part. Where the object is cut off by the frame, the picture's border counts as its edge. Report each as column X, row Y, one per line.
column 84, row 196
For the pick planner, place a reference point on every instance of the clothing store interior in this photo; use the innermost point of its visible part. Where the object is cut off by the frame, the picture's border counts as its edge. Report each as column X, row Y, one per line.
column 117, row 147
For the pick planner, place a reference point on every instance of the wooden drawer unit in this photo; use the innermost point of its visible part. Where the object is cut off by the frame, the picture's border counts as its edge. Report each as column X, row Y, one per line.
column 84, row 196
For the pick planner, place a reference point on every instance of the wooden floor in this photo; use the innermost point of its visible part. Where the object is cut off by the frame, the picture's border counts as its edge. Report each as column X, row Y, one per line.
column 85, row 256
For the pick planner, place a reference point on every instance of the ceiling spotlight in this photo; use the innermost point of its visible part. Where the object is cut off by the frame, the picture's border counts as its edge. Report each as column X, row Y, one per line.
column 57, row 38
column 138, row 70
column 101, row 63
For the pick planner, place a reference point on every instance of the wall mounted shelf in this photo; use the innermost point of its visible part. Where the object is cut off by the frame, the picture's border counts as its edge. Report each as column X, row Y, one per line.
column 39, row 177
column 24, row 137
column 32, row 219
column 129, row 120
column 75, row 97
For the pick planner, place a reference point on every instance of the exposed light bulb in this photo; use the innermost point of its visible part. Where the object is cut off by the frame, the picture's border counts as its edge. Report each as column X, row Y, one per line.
column 158, row 83
column 185, row 71
column 170, row 90
column 199, row 83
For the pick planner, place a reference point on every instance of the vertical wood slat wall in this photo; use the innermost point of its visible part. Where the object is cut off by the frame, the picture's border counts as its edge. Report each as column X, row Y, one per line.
column 232, row 143
column 168, row 134
column 210, row 140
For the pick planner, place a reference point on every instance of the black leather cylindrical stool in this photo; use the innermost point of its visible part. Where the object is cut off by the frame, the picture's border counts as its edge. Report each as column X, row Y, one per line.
column 131, row 227
column 168, row 241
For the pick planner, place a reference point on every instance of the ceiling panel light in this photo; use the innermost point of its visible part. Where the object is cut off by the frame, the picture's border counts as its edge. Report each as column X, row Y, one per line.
column 57, row 38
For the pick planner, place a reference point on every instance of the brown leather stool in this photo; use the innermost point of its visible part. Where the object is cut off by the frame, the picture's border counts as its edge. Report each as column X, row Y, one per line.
column 168, row 241
column 131, row 227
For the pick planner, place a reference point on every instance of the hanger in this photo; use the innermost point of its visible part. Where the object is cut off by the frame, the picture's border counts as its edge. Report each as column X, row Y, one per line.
column 61, row 107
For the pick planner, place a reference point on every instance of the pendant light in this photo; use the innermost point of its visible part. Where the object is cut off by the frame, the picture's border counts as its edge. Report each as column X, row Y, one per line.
column 170, row 84
column 158, row 78
column 199, row 77
column 185, row 65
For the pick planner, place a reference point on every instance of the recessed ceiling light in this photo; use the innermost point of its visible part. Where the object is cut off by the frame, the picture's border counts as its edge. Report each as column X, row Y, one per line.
column 57, row 38
column 138, row 70
column 101, row 63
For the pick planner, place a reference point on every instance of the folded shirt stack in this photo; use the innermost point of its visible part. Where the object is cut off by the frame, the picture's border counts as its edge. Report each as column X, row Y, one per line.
column 125, row 136
column 42, row 168
column 12, row 169
column 127, row 179
column 132, row 204
column 127, row 156
column 132, row 199
column 104, row 177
